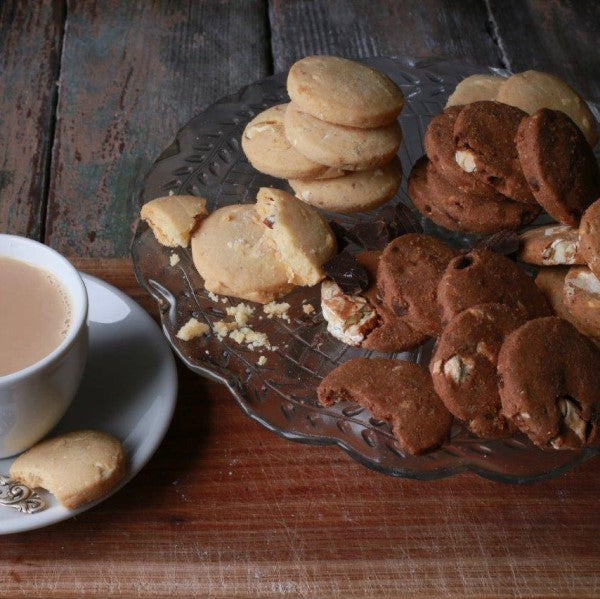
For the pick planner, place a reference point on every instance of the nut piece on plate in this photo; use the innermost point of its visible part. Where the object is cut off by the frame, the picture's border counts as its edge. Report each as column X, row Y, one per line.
column 174, row 218
column 268, row 150
column 589, row 237
column 349, row 318
column 232, row 253
column 474, row 89
column 582, row 297
column 347, row 148
column 341, row 91
column 550, row 245
column 398, row 392
column 75, row 467
column 532, row 90
column 300, row 234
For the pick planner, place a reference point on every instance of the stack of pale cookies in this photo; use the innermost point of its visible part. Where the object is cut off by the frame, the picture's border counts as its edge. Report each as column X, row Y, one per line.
column 336, row 141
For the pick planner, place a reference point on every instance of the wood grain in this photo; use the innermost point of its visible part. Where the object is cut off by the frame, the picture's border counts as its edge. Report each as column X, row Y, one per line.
column 226, row 508
column 132, row 74
column 30, row 41
column 360, row 28
column 552, row 35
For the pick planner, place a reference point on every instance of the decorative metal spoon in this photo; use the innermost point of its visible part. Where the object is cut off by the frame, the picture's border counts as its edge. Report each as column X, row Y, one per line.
column 19, row 496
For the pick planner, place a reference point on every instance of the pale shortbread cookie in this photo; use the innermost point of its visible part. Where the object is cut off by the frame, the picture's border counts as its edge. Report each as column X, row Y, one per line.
column 344, row 92
column 347, row 148
column 551, row 282
column 192, row 329
column 474, row 89
column 233, row 255
column 76, row 467
column 354, row 192
column 301, row 235
column 268, row 150
column 550, row 245
column 582, row 298
column 174, row 218
column 532, row 90
column 589, row 237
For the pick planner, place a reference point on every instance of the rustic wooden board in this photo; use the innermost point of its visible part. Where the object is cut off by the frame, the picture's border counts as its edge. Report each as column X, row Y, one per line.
column 227, row 508
column 552, row 35
column 30, row 41
column 132, row 75
column 359, row 28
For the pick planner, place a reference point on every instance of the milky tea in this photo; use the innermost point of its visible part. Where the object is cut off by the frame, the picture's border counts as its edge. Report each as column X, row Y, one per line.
column 35, row 314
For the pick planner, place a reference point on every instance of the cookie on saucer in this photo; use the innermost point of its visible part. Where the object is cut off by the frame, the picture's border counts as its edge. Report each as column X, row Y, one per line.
column 344, row 92
column 582, row 298
column 398, row 392
column 269, row 151
column 549, row 383
column 354, row 192
column 551, row 282
column 338, row 146
column 589, row 237
column 550, row 245
column 474, row 89
column 463, row 366
column 559, row 164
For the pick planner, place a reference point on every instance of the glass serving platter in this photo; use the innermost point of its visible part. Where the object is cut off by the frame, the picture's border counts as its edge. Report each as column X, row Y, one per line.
column 206, row 159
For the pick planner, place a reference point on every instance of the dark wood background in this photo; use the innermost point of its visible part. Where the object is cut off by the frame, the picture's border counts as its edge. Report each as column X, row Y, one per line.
column 90, row 93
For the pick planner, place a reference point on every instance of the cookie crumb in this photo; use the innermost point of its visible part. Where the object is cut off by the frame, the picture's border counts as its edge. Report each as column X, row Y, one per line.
column 222, row 328
column 213, row 296
column 279, row 310
column 308, row 308
column 241, row 313
column 262, row 361
column 174, row 259
column 192, row 329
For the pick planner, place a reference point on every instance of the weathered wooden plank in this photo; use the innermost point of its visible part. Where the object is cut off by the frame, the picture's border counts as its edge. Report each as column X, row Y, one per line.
column 359, row 28
column 132, row 74
column 557, row 36
column 30, row 41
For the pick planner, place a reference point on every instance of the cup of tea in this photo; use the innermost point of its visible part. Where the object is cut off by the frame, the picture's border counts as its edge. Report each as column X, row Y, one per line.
column 43, row 340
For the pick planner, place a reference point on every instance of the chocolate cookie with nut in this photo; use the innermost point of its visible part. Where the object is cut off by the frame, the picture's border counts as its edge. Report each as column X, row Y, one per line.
column 550, row 245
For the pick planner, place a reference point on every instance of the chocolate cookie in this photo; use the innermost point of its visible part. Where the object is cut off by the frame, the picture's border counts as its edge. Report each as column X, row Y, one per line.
column 482, row 277
column 589, row 237
column 550, row 245
column 484, row 137
column 448, row 206
column 392, row 333
column 559, row 164
column 582, row 298
column 441, row 150
column 398, row 392
column 463, row 366
column 408, row 275
column 551, row 282
column 550, row 383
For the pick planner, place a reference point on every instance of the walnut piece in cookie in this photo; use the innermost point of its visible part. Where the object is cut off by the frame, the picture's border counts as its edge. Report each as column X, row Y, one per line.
column 550, row 245
column 173, row 218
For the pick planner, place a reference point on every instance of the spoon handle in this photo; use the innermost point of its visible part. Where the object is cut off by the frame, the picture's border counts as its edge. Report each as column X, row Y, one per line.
column 19, row 496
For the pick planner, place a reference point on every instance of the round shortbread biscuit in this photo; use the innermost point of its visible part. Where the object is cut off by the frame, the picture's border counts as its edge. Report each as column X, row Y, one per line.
column 354, row 192
column 589, row 237
column 344, row 92
column 532, row 90
column 463, row 366
column 559, row 164
column 233, row 255
column 474, row 89
column 347, row 148
column 268, row 150
column 582, row 298
column 550, row 245
column 550, row 383
column 448, row 206
column 398, row 392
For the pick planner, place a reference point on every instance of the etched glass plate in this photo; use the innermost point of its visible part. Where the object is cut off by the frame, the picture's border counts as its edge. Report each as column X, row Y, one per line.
column 206, row 159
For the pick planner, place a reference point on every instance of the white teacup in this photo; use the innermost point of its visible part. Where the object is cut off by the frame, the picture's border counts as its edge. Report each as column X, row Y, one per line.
column 34, row 399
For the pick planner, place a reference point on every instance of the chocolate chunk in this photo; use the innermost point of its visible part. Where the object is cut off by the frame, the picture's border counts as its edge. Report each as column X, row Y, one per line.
column 374, row 235
column 503, row 242
column 347, row 272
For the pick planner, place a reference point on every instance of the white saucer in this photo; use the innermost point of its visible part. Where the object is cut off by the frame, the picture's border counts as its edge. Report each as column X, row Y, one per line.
column 129, row 389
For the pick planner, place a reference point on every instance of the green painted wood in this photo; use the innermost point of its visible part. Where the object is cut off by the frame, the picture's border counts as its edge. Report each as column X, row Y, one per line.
column 557, row 36
column 359, row 28
column 132, row 74
column 30, row 39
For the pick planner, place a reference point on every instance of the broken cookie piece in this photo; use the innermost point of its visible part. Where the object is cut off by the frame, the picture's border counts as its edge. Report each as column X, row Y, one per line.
column 174, row 218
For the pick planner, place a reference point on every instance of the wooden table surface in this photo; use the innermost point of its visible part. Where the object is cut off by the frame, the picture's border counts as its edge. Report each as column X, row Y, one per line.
column 91, row 93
